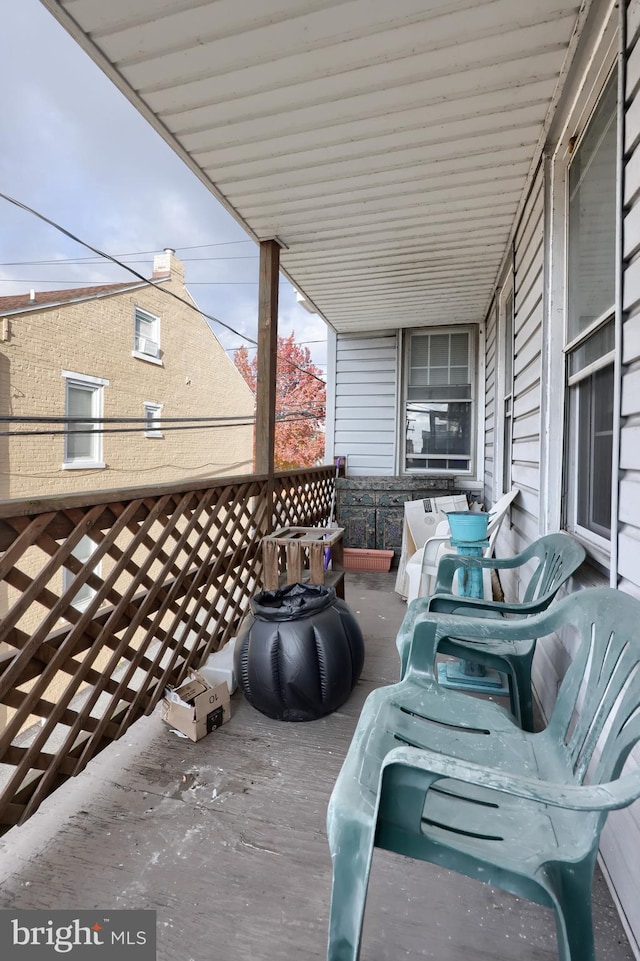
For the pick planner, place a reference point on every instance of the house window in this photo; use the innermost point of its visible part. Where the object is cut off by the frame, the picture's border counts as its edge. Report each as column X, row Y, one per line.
column 438, row 403
column 590, row 334
column 152, row 423
column 83, row 407
column 83, row 552
column 146, row 343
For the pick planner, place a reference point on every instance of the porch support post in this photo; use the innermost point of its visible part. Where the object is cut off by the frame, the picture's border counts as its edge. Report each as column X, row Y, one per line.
column 267, row 357
column 267, row 351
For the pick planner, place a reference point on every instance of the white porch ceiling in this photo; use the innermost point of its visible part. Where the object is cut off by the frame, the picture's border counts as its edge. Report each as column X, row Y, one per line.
column 386, row 143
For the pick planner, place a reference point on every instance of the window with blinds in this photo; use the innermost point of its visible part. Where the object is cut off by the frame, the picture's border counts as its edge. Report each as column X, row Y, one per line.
column 590, row 333
column 439, row 401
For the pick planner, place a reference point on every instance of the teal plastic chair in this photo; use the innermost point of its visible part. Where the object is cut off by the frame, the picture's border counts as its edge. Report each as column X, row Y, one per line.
column 439, row 776
column 556, row 558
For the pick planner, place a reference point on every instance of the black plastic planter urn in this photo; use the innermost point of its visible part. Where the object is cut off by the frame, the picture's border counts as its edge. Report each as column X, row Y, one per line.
column 299, row 653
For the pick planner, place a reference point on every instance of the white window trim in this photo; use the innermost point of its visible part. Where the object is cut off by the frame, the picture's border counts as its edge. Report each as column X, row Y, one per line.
column 558, row 459
column 151, row 406
column 140, row 354
column 476, row 376
column 97, row 383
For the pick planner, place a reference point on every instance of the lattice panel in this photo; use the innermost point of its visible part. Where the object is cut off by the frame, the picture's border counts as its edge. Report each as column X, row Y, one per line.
column 307, row 502
column 105, row 604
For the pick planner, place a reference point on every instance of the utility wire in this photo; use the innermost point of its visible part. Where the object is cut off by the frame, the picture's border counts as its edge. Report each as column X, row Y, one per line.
column 99, row 283
column 153, row 427
column 114, row 260
column 51, row 419
column 95, row 261
column 137, row 253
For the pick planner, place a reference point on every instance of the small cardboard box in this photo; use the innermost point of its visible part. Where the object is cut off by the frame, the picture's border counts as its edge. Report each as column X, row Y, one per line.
column 196, row 708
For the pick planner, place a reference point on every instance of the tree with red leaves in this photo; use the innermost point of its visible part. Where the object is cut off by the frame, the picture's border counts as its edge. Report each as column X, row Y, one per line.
column 300, row 403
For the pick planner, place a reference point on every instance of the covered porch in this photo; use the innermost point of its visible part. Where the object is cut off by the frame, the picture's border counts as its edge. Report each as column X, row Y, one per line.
column 225, row 839
column 390, row 160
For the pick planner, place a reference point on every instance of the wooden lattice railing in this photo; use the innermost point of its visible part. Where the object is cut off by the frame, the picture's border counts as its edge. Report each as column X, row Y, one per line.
column 87, row 647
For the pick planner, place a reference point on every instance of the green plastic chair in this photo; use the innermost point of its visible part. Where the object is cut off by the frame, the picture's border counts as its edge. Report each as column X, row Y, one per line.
column 556, row 558
column 439, row 776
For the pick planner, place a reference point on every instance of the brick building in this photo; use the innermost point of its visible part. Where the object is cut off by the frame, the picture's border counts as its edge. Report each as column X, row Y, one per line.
column 116, row 351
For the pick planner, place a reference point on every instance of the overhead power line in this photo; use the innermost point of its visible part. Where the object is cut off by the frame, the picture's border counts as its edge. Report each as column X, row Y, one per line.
column 118, row 263
column 95, row 425
column 95, row 261
column 151, row 283
column 148, row 428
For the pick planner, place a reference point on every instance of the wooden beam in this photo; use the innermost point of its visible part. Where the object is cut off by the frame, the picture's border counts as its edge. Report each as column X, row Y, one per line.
column 267, row 351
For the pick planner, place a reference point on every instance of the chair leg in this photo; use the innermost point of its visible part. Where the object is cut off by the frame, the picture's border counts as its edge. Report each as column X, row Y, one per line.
column 351, row 846
column 521, row 694
column 574, row 919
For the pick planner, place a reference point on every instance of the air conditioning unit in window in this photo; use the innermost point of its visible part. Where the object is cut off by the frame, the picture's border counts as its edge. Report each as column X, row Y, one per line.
column 149, row 347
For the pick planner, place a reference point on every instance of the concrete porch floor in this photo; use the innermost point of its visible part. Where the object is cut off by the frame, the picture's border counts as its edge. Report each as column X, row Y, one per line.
column 225, row 839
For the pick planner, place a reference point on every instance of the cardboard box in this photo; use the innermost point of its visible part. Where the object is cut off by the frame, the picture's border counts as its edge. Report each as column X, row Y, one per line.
column 196, row 708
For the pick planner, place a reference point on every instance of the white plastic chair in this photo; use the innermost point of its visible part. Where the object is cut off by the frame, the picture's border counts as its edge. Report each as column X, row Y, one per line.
column 422, row 567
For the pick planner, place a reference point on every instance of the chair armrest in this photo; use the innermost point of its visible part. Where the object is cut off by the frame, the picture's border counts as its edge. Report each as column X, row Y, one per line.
column 431, row 547
column 477, row 606
column 429, row 629
column 576, row 797
column 451, row 563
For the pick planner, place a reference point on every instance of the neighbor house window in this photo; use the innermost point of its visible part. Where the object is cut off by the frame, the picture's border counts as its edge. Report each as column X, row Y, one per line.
column 591, row 321
column 146, row 335
column 439, row 401
column 82, row 552
column 83, row 408
column 152, row 423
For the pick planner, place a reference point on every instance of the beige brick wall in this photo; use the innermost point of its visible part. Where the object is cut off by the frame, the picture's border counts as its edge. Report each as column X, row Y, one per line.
column 96, row 338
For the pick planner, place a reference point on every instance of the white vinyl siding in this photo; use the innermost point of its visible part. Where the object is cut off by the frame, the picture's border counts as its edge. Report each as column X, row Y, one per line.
column 365, row 403
column 525, row 408
column 629, row 506
column 620, row 844
column 491, row 400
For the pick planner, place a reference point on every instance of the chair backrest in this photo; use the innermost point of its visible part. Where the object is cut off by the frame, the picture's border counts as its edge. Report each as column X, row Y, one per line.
column 498, row 512
column 559, row 556
column 598, row 704
column 420, row 524
column 423, row 524
column 449, row 502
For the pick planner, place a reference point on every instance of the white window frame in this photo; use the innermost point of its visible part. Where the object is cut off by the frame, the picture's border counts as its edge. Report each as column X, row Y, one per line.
column 83, row 551
column 146, row 348
column 153, row 414
column 559, row 506
column 575, row 457
column 472, row 331
column 95, row 386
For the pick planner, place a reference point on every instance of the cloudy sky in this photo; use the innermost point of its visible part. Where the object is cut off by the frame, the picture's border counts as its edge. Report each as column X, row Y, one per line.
column 74, row 149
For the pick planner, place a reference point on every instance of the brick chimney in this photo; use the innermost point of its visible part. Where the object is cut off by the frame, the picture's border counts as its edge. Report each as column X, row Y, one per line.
column 167, row 265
